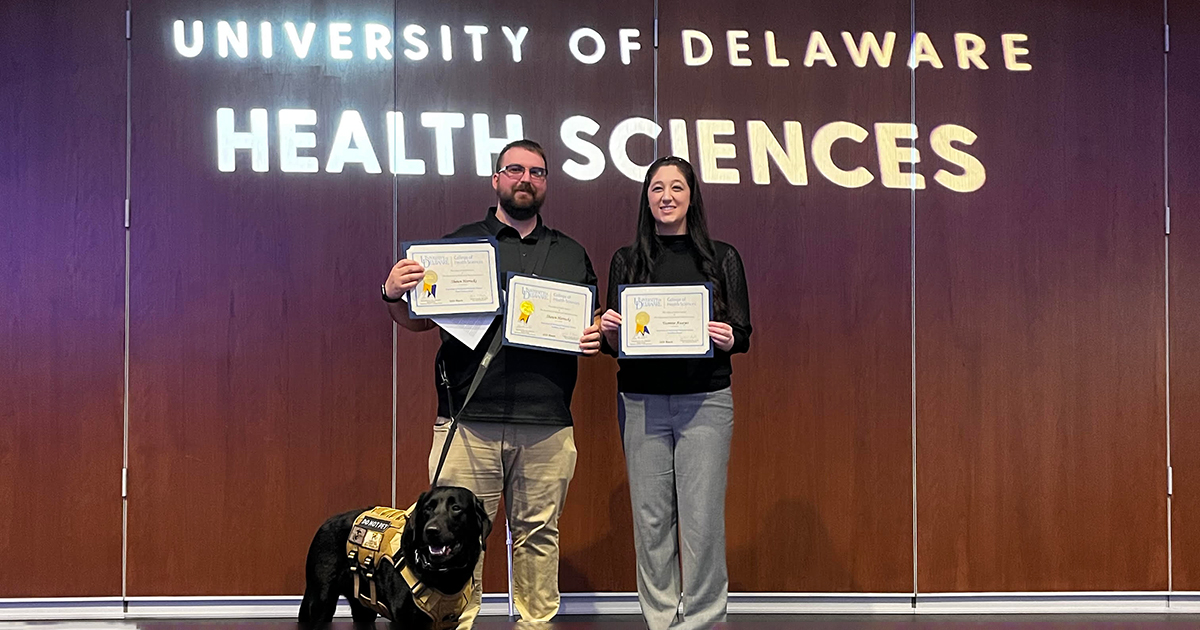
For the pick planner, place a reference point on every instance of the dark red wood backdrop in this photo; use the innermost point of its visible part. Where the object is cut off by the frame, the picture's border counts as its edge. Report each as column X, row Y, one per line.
column 1184, row 198
column 260, row 379
column 261, row 361
column 1041, row 433
column 62, row 261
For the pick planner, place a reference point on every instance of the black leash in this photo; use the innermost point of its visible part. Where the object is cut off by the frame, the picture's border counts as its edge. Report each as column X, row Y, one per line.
column 540, row 254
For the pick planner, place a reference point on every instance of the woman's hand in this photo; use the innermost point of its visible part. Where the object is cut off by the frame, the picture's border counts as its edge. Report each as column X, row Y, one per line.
column 722, row 335
column 589, row 343
column 610, row 327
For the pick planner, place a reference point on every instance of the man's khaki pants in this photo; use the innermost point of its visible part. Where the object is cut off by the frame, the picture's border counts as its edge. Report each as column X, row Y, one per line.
column 532, row 466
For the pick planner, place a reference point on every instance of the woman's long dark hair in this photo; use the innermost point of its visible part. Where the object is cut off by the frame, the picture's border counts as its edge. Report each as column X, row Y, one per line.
column 647, row 244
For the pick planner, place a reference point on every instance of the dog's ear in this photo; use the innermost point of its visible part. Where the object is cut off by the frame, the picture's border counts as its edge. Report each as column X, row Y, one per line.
column 418, row 511
column 485, row 523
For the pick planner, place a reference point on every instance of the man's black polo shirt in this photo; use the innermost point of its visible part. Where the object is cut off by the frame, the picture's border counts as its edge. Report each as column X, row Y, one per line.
column 527, row 386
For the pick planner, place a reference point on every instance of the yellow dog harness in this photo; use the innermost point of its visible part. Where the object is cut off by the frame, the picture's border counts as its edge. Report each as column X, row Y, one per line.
column 374, row 540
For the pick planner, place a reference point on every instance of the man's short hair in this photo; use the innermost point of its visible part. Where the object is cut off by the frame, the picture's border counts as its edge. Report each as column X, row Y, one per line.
column 528, row 145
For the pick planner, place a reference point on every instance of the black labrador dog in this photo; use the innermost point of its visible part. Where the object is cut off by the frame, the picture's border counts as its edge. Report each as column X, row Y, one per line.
column 442, row 542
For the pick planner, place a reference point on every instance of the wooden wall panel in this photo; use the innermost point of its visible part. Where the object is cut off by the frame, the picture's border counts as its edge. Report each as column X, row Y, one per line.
column 545, row 88
column 62, row 253
column 261, row 367
column 820, row 484
column 1040, row 305
column 261, row 354
column 1183, row 92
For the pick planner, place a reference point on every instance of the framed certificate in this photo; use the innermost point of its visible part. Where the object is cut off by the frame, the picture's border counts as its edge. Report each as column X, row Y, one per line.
column 665, row 320
column 546, row 314
column 460, row 277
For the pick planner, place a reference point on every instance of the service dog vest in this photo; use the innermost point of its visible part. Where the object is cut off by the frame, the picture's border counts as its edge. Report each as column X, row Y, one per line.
column 375, row 539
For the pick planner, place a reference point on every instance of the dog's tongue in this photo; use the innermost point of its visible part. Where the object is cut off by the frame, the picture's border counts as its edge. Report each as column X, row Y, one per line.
column 438, row 551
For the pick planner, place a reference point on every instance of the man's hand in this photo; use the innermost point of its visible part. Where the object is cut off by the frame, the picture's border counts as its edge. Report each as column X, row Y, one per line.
column 404, row 276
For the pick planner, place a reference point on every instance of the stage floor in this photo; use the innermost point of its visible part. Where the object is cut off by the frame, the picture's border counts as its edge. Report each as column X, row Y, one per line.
column 736, row 622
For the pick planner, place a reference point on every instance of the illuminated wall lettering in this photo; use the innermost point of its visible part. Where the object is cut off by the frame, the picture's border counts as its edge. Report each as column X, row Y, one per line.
column 374, row 41
column 228, row 38
column 922, row 50
column 351, row 144
column 690, row 39
column 627, row 37
column 618, row 145
column 443, row 124
column 476, row 32
column 733, row 41
column 229, row 140
column 822, row 154
column 399, row 164
column 597, row 43
column 818, row 50
column 300, row 43
column 1009, row 42
column 891, row 156
column 868, row 47
column 571, row 131
column 973, row 175
column 968, row 48
column 773, row 149
column 181, row 45
column 789, row 158
column 773, row 58
column 416, row 48
column 291, row 140
column 379, row 38
column 266, row 39
column 515, row 40
column 710, row 151
column 697, row 50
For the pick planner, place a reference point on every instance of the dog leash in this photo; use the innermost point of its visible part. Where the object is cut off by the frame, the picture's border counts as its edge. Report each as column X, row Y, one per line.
column 540, row 254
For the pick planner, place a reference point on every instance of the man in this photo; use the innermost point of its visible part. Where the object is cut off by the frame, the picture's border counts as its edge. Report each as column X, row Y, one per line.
column 515, row 435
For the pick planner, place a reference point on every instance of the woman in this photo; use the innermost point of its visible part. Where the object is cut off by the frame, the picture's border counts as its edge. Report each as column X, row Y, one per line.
column 676, row 415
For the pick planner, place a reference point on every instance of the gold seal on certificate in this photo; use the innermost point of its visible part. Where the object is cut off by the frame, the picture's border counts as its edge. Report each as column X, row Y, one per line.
column 665, row 320
column 547, row 314
column 460, row 277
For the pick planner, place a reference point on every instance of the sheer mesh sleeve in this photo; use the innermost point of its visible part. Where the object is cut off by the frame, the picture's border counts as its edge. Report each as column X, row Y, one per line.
column 618, row 274
column 737, row 300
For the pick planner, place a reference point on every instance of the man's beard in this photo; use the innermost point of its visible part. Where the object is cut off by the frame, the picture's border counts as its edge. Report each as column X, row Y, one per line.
column 521, row 211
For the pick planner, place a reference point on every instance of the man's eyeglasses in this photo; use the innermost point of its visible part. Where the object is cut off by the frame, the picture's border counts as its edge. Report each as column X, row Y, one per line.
column 515, row 171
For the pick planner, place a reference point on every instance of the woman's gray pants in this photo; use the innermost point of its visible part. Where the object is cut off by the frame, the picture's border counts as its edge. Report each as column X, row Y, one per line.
column 677, row 457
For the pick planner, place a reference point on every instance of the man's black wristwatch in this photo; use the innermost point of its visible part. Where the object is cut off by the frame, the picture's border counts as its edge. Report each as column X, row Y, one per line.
column 387, row 299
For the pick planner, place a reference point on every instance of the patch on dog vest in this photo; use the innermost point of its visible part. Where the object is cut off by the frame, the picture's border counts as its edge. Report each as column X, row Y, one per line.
column 375, row 538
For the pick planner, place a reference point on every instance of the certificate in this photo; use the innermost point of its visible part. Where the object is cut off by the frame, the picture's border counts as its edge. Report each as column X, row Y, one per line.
column 665, row 320
column 546, row 314
column 460, row 277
